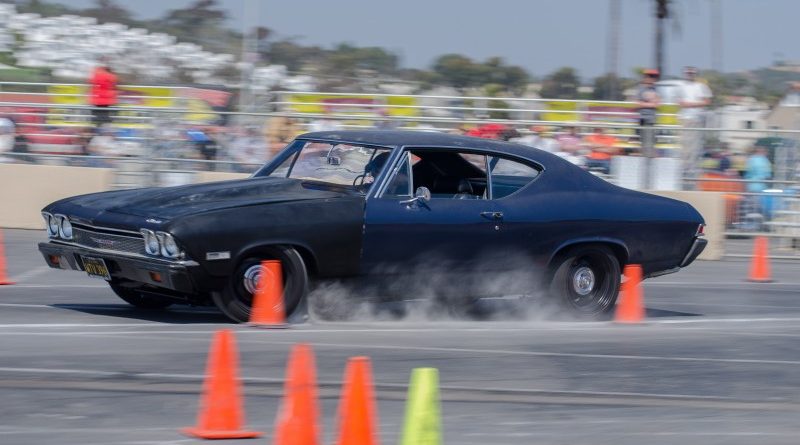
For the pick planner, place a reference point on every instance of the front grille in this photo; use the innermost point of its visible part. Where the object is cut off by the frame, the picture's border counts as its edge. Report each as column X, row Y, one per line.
column 107, row 241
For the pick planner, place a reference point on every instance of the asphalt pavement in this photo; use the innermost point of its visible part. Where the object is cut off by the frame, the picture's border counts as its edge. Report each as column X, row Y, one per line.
column 716, row 362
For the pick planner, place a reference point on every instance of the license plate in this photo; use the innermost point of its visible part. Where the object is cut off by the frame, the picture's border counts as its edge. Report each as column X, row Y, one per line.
column 95, row 267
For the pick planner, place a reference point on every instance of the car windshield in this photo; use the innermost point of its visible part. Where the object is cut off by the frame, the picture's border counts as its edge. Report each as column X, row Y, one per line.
column 335, row 163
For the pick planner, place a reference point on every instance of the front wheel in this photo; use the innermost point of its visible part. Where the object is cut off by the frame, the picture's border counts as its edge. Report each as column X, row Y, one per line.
column 236, row 298
column 136, row 299
column 586, row 280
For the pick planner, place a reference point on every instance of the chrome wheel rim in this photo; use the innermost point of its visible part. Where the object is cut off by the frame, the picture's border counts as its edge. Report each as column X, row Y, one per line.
column 250, row 278
column 583, row 281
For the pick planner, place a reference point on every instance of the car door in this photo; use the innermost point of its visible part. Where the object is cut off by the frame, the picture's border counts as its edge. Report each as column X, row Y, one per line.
column 449, row 232
column 527, row 227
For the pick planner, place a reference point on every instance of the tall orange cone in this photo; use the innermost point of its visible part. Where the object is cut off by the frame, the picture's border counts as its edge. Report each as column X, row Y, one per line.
column 759, row 266
column 4, row 279
column 221, row 413
column 267, row 310
column 630, row 308
column 297, row 421
column 357, row 412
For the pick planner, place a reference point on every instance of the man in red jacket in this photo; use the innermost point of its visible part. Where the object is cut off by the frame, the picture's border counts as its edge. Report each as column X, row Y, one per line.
column 103, row 93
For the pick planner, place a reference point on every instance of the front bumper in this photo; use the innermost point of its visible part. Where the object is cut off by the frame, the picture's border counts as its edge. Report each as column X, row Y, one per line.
column 697, row 248
column 179, row 276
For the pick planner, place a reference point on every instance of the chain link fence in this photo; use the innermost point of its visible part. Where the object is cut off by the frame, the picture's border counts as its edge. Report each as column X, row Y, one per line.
column 169, row 144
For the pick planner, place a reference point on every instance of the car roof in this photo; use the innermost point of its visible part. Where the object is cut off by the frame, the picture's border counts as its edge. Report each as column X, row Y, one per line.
column 399, row 138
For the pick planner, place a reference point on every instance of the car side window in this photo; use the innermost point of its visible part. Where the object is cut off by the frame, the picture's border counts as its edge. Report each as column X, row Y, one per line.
column 399, row 184
column 449, row 174
column 508, row 176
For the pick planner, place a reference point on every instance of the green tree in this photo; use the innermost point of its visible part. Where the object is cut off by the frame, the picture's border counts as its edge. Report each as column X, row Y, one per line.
column 110, row 11
column 202, row 23
column 609, row 87
column 562, row 84
column 458, row 71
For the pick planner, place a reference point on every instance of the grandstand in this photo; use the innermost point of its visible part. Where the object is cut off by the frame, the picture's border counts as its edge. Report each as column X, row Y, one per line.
column 71, row 46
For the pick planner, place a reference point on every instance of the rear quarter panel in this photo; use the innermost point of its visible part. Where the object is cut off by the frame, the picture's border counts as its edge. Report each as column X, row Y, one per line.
column 569, row 208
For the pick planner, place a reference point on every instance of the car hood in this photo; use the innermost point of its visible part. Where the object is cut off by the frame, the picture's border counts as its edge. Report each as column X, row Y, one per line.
column 171, row 202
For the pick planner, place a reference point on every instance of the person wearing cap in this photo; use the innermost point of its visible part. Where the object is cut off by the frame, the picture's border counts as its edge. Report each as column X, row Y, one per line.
column 694, row 97
column 648, row 100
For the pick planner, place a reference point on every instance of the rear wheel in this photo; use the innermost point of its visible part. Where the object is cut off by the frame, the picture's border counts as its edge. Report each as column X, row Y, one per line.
column 236, row 298
column 135, row 298
column 586, row 280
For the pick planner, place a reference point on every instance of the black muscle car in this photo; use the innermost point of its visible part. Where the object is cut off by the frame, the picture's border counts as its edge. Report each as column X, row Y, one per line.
column 371, row 204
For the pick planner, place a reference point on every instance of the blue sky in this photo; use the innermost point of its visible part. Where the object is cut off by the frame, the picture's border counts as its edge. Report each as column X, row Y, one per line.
column 540, row 35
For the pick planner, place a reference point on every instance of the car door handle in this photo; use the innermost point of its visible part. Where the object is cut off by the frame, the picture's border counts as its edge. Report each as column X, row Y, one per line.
column 492, row 215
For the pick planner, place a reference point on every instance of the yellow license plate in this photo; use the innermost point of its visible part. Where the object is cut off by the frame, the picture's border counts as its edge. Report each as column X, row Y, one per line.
column 95, row 267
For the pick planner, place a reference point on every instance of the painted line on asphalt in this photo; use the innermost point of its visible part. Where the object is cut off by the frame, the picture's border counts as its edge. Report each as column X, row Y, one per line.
column 102, row 325
column 769, row 306
column 9, row 429
column 58, row 286
column 719, row 283
column 400, row 386
column 551, row 354
column 301, row 328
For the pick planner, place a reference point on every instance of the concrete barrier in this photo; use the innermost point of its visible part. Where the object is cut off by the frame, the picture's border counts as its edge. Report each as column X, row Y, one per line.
column 712, row 206
column 25, row 189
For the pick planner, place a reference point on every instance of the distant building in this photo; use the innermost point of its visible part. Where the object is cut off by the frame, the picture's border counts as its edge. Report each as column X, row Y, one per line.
column 742, row 113
column 786, row 115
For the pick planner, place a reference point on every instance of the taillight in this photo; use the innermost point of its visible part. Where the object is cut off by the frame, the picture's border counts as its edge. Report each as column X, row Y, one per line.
column 700, row 230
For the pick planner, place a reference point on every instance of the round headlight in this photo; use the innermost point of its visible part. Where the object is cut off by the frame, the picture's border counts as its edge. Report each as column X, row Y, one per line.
column 169, row 248
column 65, row 228
column 151, row 245
column 51, row 223
column 52, row 226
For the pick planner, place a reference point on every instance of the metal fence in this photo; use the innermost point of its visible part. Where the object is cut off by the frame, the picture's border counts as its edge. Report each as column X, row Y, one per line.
column 154, row 149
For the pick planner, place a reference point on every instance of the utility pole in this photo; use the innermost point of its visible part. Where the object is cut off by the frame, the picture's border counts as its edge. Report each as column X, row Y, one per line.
column 662, row 14
column 612, row 56
column 716, row 35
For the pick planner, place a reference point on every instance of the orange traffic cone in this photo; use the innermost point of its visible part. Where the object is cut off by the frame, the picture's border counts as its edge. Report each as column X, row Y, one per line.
column 221, row 413
column 267, row 310
column 357, row 413
column 630, row 308
column 4, row 279
column 297, row 421
column 759, row 267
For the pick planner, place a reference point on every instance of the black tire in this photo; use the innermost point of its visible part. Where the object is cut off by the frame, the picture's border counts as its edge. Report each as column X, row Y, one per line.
column 236, row 298
column 136, row 299
column 586, row 280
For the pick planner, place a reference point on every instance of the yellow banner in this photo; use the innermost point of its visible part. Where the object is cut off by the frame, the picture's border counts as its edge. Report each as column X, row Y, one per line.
column 356, row 104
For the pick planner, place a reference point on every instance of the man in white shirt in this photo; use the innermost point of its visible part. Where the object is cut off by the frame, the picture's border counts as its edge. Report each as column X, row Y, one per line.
column 694, row 97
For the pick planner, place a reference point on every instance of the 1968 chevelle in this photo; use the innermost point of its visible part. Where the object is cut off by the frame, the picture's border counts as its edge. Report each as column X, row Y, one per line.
column 369, row 204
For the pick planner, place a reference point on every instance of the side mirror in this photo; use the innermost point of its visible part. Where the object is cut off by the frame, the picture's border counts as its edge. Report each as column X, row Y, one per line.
column 421, row 196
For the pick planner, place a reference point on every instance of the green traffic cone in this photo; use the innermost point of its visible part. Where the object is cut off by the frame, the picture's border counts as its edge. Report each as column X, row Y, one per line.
column 423, row 425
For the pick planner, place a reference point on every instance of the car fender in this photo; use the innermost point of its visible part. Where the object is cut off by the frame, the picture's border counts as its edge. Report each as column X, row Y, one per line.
column 589, row 240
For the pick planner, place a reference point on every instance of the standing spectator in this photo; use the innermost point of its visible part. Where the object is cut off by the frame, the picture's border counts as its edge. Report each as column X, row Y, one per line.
column 758, row 169
column 570, row 141
column 532, row 138
column 103, row 93
column 693, row 97
column 647, row 101
column 603, row 147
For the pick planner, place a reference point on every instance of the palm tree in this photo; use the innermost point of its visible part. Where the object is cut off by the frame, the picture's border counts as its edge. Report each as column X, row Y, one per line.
column 663, row 11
